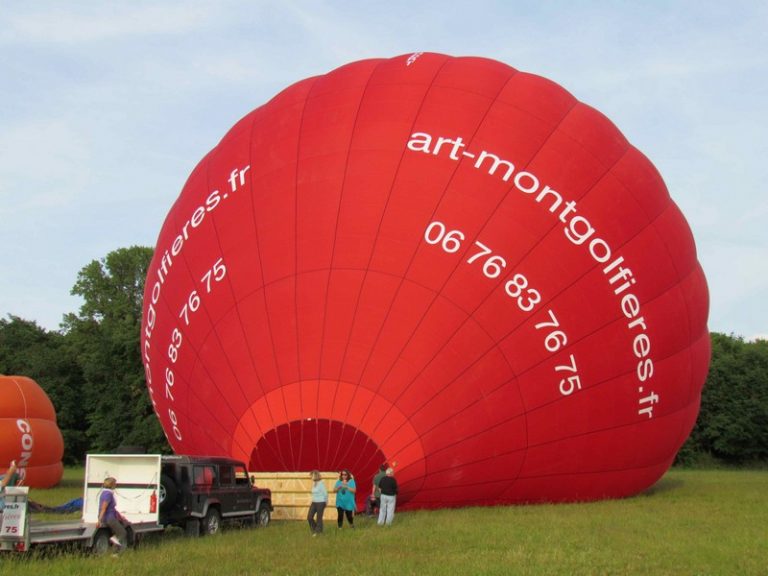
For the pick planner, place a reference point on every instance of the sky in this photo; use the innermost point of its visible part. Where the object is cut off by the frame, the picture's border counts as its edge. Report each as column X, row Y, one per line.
column 106, row 107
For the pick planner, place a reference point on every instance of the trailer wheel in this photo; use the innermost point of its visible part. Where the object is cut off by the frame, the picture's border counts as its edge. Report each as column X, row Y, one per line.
column 211, row 522
column 131, row 537
column 168, row 493
column 101, row 541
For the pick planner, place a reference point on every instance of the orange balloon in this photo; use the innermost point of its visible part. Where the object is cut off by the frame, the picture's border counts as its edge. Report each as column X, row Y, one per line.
column 29, row 433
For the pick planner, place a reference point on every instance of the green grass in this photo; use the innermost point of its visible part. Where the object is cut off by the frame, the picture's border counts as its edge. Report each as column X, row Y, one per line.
column 691, row 522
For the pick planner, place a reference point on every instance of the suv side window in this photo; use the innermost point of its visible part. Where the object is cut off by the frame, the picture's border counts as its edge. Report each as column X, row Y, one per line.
column 204, row 475
column 226, row 476
column 241, row 476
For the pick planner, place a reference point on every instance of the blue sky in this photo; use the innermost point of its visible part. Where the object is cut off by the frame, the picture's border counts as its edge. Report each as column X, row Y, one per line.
column 105, row 108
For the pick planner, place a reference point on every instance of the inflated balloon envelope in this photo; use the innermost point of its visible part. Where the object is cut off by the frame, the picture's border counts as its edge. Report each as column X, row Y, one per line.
column 29, row 433
column 438, row 262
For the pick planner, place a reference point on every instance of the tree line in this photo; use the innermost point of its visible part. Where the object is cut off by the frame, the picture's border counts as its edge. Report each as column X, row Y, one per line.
column 91, row 369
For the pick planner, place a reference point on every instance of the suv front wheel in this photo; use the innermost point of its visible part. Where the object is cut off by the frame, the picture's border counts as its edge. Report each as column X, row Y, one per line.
column 211, row 522
column 263, row 515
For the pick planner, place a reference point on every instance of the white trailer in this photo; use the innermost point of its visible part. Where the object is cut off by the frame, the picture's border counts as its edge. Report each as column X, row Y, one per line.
column 136, row 493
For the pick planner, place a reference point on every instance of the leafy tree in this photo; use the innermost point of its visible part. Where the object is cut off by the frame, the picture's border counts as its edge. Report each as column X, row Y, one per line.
column 105, row 334
column 20, row 344
column 733, row 420
column 29, row 350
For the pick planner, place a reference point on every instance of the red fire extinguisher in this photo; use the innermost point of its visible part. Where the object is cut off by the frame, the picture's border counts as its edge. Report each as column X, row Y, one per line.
column 153, row 502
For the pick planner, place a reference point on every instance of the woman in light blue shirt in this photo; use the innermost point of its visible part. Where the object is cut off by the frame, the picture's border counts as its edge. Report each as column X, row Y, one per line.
column 317, row 507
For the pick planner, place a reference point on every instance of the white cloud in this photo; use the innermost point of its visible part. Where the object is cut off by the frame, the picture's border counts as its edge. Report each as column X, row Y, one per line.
column 43, row 165
column 737, row 275
column 70, row 24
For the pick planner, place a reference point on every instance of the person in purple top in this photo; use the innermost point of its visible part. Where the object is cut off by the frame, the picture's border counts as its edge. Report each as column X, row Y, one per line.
column 110, row 517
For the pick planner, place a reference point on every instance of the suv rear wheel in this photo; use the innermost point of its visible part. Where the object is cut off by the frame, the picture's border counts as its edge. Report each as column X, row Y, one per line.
column 168, row 492
column 211, row 522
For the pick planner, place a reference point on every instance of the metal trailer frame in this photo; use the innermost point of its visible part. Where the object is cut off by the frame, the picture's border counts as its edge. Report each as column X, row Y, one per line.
column 136, row 493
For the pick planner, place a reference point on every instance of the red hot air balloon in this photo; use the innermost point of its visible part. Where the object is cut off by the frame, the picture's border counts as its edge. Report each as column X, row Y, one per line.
column 443, row 263
column 29, row 432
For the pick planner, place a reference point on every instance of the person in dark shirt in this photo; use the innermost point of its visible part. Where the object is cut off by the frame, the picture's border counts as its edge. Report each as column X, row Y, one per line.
column 374, row 500
column 388, row 487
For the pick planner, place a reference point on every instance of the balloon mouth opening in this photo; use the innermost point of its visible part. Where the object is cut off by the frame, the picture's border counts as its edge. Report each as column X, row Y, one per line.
column 317, row 444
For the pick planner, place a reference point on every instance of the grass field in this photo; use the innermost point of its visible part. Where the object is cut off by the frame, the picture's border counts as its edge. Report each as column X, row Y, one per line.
column 691, row 522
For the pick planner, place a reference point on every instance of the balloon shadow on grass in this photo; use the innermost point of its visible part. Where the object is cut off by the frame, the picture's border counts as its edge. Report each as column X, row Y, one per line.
column 663, row 486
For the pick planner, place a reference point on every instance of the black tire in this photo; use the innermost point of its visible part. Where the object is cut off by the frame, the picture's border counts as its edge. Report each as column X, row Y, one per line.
column 211, row 522
column 263, row 515
column 101, row 541
column 192, row 528
column 169, row 493
column 131, row 538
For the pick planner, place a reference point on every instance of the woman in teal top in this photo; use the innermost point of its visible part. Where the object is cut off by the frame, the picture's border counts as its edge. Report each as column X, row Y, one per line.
column 345, row 489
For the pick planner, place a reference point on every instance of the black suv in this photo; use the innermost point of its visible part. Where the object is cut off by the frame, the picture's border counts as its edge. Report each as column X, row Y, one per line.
column 198, row 492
